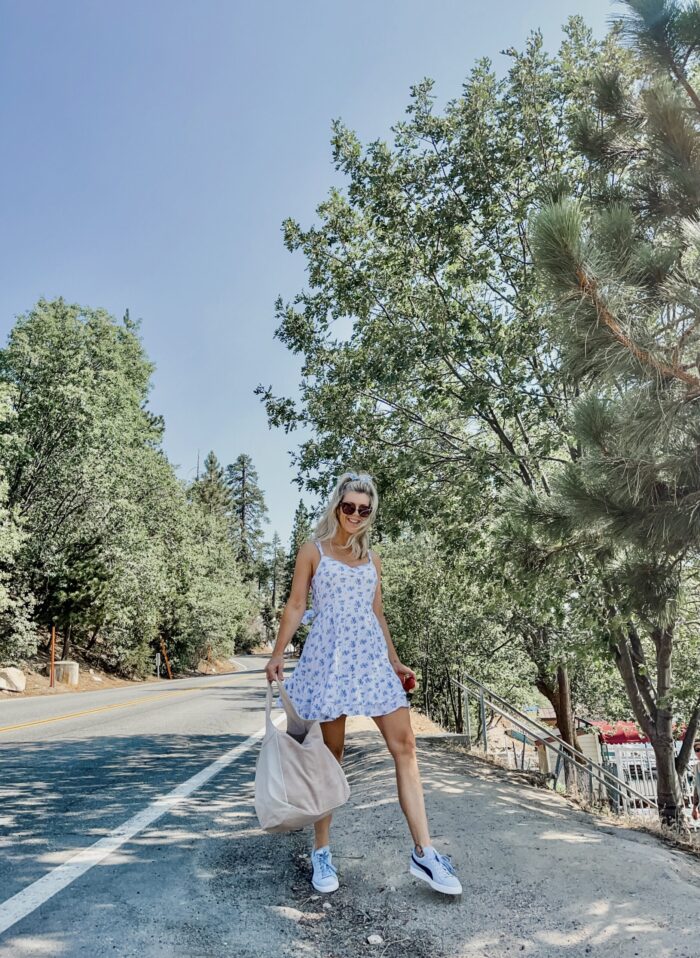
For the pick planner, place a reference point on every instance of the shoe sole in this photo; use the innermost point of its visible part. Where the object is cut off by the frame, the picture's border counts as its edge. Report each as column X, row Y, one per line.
column 433, row 884
column 324, row 890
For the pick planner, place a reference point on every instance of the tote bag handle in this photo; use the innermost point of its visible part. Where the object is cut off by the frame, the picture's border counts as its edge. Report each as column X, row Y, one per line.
column 296, row 725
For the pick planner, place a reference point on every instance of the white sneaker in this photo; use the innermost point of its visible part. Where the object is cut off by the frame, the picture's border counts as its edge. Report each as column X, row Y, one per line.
column 437, row 870
column 324, row 877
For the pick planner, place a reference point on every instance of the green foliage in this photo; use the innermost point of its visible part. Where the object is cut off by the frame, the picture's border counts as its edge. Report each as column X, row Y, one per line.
column 211, row 489
column 425, row 336
column 446, row 620
column 97, row 535
column 301, row 533
column 624, row 281
column 249, row 514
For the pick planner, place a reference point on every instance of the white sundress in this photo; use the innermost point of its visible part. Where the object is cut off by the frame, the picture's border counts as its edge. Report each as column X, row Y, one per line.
column 344, row 667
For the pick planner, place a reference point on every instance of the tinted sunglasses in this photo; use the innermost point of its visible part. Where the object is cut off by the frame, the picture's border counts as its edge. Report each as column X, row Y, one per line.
column 349, row 509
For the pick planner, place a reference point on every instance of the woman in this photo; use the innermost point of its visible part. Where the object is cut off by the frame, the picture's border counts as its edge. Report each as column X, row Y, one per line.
column 349, row 665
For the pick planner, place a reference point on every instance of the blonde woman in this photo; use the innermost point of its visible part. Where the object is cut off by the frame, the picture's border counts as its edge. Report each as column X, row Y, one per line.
column 349, row 665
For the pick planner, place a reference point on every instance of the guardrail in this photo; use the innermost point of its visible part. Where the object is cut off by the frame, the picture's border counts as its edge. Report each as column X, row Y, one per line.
column 578, row 768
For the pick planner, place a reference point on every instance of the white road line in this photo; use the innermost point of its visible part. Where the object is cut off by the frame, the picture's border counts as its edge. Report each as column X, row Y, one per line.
column 241, row 666
column 34, row 895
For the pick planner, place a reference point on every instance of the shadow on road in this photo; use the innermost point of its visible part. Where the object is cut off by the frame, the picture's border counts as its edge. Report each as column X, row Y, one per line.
column 540, row 877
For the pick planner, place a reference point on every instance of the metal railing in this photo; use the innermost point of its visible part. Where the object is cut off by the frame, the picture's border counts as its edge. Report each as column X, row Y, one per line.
column 580, row 772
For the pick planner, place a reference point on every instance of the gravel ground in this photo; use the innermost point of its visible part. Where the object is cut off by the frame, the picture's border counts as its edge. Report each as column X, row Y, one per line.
column 540, row 876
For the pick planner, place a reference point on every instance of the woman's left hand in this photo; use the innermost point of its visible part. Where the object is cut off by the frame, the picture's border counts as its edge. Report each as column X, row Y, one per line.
column 402, row 670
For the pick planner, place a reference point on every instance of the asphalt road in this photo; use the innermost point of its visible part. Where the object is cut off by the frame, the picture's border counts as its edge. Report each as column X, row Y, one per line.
column 116, row 840
column 74, row 768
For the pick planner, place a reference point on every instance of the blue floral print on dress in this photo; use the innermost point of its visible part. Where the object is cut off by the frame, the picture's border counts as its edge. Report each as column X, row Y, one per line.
column 344, row 668
column 308, row 617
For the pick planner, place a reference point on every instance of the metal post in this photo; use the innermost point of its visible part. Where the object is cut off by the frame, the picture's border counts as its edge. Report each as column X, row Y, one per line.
column 52, row 671
column 466, row 716
column 652, row 789
column 165, row 656
column 482, row 710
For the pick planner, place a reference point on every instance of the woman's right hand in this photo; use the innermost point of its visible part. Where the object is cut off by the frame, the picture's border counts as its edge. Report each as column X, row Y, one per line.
column 275, row 668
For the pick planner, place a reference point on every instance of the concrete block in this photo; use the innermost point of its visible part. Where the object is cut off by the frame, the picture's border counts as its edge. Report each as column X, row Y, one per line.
column 12, row 679
column 67, row 672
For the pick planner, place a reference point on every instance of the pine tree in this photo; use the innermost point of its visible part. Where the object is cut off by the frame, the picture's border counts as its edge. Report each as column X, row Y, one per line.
column 623, row 267
column 278, row 559
column 301, row 533
column 211, row 489
column 249, row 513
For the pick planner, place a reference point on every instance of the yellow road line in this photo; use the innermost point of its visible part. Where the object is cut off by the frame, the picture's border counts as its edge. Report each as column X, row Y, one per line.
column 105, row 708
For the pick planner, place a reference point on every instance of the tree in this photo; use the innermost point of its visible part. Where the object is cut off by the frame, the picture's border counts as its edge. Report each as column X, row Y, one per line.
column 212, row 602
column 301, row 533
column 623, row 268
column 278, row 558
column 97, row 534
column 211, row 489
column 77, row 383
column 426, row 353
column 446, row 618
column 18, row 634
column 249, row 513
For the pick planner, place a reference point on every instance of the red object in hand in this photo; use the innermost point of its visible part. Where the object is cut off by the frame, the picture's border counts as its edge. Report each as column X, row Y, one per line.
column 409, row 682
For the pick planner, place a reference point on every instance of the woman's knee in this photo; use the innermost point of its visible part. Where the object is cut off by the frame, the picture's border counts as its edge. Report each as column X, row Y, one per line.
column 403, row 745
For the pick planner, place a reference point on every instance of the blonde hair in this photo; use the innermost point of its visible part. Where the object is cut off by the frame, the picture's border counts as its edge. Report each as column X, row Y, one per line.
column 327, row 525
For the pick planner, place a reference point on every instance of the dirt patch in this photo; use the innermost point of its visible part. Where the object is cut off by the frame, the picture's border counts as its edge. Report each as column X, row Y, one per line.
column 339, row 925
column 420, row 723
column 91, row 679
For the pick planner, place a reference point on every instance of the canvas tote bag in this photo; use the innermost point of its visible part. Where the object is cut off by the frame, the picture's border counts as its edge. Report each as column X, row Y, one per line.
column 297, row 778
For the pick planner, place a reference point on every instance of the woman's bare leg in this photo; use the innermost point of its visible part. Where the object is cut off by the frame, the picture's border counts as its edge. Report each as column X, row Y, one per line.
column 399, row 737
column 334, row 737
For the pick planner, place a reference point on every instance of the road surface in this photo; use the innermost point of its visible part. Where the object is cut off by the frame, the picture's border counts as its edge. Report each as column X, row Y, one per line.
column 127, row 829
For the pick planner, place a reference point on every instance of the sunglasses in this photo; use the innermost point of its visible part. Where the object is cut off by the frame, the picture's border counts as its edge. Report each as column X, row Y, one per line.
column 349, row 509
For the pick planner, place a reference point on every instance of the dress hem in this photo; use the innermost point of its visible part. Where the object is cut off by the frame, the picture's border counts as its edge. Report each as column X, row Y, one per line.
column 332, row 718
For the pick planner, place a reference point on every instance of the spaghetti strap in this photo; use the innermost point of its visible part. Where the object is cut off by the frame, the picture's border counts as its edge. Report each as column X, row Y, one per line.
column 320, row 547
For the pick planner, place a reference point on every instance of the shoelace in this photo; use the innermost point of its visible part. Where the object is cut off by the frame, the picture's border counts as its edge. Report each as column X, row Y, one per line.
column 321, row 860
column 446, row 862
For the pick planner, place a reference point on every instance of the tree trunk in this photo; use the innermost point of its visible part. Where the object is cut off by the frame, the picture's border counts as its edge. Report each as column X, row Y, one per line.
column 653, row 714
column 456, row 711
column 66, row 641
column 668, row 788
column 426, row 677
column 566, row 723
column 669, row 794
column 460, row 712
column 93, row 638
column 691, row 732
column 559, row 696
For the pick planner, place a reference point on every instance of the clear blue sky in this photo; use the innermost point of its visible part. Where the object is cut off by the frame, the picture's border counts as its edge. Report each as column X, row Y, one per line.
column 152, row 149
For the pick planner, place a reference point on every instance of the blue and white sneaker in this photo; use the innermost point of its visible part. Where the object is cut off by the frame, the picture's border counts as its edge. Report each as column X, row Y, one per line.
column 437, row 870
column 324, row 877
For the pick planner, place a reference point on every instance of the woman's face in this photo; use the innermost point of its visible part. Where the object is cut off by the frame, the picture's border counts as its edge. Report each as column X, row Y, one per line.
column 352, row 523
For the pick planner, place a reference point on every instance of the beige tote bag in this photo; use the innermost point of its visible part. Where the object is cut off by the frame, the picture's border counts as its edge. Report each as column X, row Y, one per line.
column 297, row 778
